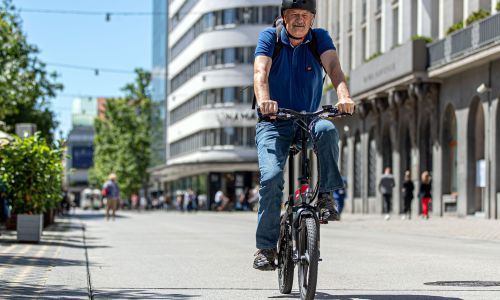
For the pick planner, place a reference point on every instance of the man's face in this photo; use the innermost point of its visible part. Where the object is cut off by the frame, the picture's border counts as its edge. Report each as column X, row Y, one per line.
column 298, row 22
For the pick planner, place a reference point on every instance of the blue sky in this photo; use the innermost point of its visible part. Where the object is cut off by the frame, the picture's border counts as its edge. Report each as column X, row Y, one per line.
column 124, row 43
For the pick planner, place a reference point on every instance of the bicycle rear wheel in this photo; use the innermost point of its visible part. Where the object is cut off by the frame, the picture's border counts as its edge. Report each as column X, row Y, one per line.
column 308, row 258
column 285, row 260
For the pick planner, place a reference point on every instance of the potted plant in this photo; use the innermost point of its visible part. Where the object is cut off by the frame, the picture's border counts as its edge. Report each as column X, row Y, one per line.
column 32, row 171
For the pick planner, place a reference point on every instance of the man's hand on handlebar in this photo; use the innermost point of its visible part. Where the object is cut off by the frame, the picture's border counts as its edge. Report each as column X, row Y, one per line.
column 345, row 105
column 268, row 107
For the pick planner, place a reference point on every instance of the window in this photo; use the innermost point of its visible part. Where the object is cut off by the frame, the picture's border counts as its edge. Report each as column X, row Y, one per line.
column 395, row 26
column 364, row 48
column 211, row 59
column 378, row 37
column 364, row 11
column 239, row 95
column 217, row 20
column 235, row 136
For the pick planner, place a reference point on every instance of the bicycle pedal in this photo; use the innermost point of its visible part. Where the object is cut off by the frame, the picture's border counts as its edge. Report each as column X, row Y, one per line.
column 323, row 221
column 320, row 259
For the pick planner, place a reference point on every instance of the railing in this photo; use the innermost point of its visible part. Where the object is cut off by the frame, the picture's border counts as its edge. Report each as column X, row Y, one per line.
column 465, row 41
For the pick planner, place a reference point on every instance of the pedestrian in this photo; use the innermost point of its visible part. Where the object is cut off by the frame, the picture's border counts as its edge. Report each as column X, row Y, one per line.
column 253, row 198
column 339, row 196
column 425, row 193
column 220, row 201
column 408, row 189
column 4, row 202
column 179, row 200
column 385, row 188
column 112, row 192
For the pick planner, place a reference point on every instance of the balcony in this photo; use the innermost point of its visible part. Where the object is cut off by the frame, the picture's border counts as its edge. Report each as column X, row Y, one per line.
column 468, row 41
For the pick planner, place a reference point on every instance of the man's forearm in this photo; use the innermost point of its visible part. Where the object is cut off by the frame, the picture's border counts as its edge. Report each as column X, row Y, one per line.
column 340, row 84
column 261, row 88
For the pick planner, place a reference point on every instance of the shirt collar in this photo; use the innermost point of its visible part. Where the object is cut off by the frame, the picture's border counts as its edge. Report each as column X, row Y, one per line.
column 286, row 40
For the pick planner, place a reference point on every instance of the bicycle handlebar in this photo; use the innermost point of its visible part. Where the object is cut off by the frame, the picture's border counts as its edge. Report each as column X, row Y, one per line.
column 283, row 114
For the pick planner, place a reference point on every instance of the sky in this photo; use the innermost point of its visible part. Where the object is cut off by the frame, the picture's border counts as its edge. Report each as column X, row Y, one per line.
column 123, row 43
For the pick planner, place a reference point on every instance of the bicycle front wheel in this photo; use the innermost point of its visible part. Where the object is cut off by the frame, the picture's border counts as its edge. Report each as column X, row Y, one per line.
column 285, row 259
column 308, row 258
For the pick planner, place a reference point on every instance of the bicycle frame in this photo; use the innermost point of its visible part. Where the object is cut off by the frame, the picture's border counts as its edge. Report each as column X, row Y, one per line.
column 295, row 213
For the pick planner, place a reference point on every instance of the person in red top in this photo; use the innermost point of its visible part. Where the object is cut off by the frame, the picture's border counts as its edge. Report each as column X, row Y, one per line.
column 425, row 193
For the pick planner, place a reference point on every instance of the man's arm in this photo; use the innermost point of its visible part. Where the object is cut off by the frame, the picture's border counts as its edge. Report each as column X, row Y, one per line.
column 261, row 69
column 330, row 61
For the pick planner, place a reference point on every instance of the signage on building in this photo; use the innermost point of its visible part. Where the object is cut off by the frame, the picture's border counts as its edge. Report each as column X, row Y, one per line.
column 395, row 64
column 233, row 115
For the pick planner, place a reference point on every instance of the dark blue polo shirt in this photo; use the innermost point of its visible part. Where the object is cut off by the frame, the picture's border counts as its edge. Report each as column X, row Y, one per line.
column 296, row 77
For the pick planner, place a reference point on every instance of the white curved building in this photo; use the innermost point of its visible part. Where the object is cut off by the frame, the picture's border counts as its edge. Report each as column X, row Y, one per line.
column 211, row 126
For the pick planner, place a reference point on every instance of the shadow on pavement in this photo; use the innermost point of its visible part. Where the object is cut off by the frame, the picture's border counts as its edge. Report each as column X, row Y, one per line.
column 320, row 295
column 139, row 294
column 12, row 290
column 93, row 216
column 15, row 260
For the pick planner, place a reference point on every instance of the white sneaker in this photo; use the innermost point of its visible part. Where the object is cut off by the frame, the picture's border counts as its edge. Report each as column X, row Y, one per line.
column 403, row 217
column 387, row 217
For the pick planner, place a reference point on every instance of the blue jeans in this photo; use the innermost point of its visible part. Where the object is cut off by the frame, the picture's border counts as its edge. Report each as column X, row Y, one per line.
column 273, row 142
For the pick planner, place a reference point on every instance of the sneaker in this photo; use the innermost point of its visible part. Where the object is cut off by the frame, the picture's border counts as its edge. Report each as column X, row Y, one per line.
column 387, row 217
column 327, row 208
column 265, row 259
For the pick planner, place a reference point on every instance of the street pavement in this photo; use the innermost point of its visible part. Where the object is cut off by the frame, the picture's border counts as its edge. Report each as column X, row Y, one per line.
column 169, row 255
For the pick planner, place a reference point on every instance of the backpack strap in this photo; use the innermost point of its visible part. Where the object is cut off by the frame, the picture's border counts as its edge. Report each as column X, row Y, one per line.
column 313, row 47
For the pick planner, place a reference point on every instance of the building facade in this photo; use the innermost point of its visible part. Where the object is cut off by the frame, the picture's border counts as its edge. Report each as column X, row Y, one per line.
column 421, row 106
column 159, row 81
column 211, row 126
column 80, row 145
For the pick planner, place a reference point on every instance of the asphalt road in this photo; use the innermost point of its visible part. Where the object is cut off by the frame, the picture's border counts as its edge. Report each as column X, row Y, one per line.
column 164, row 255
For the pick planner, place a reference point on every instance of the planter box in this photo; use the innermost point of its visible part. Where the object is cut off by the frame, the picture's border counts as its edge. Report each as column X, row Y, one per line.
column 29, row 228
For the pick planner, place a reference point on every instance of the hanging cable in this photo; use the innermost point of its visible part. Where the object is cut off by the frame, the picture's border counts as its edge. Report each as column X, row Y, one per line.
column 96, row 70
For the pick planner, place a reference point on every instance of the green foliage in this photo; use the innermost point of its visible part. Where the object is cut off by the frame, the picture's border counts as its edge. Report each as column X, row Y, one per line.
column 25, row 85
column 328, row 88
column 476, row 16
column 455, row 27
column 498, row 6
column 373, row 56
column 122, row 141
column 32, row 171
column 421, row 37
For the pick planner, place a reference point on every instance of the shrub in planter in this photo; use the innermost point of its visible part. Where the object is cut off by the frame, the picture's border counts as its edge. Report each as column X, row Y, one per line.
column 476, row 16
column 32, row 171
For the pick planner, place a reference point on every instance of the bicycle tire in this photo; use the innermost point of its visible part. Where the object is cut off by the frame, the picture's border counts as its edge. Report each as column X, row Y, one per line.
column 308, row 272
column 285, row 261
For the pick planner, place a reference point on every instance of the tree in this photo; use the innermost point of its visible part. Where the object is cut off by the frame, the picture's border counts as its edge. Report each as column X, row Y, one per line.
column 25, row 86
column 122, row 141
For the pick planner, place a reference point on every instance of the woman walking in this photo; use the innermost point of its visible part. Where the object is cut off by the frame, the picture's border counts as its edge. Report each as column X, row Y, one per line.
column 425, row 193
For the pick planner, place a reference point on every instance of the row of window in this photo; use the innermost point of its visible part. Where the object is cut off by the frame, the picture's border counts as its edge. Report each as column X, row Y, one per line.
column 181, row 13
column 221, row 19
column 228, row 136
column 213, row 97
column 207, row 60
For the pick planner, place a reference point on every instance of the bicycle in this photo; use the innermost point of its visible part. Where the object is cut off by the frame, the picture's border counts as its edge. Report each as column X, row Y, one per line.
column 299, row 226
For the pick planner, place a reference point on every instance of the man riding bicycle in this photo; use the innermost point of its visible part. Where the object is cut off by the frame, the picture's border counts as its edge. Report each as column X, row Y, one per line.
column 292, row 78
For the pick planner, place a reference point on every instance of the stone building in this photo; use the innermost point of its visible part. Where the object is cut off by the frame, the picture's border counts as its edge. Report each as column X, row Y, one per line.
column 421, row 105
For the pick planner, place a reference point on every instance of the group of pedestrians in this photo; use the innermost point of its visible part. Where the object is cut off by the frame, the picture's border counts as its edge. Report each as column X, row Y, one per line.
column 387, row 184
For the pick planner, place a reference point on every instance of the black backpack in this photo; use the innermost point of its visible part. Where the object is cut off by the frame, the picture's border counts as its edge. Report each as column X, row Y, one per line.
column 312, row 45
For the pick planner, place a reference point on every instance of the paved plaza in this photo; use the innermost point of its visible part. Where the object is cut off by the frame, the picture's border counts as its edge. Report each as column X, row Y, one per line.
column 168, row 255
